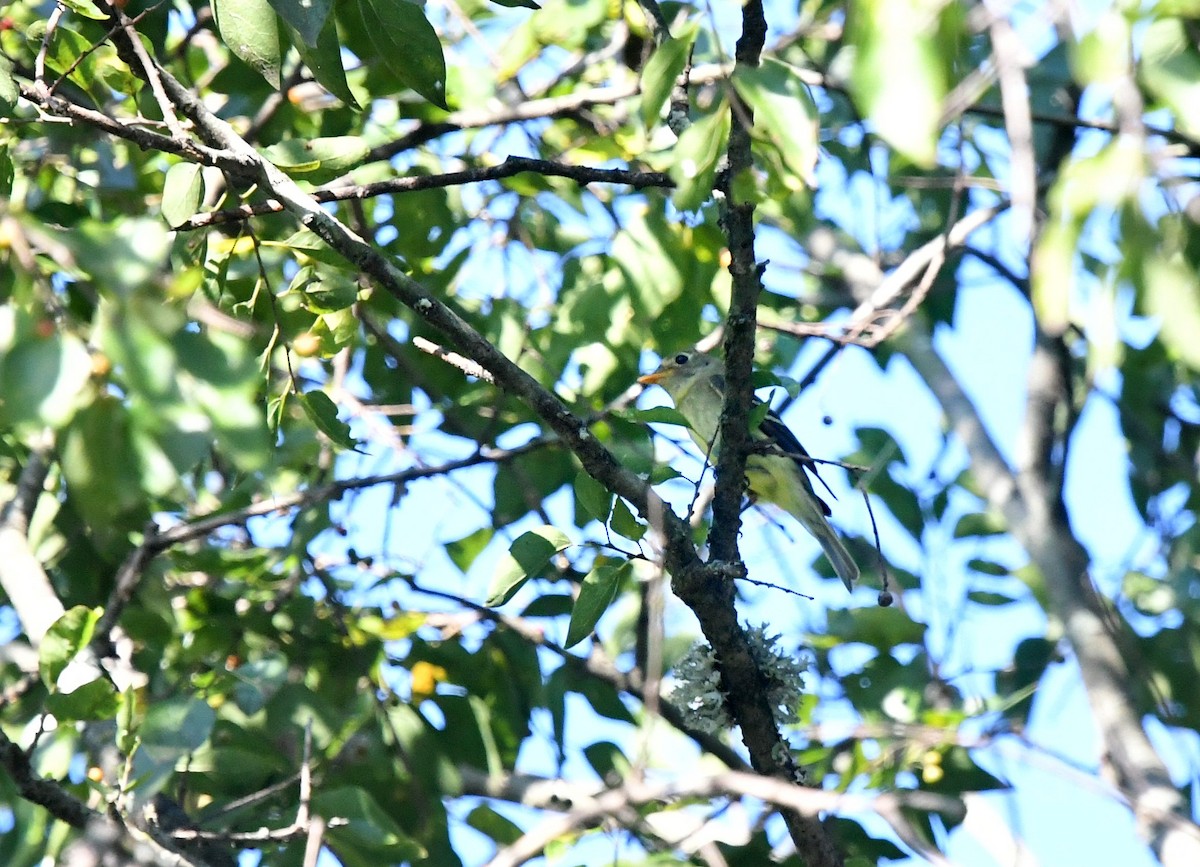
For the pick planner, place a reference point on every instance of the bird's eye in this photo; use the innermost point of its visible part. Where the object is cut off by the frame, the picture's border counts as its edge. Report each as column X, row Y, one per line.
column 681, row 358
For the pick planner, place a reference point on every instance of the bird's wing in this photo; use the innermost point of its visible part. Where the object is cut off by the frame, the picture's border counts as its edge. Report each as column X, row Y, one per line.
column 774, row 429
column 779, row 433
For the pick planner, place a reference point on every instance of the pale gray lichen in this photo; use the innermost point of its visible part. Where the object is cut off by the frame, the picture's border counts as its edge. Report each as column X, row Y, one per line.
column 697, row 691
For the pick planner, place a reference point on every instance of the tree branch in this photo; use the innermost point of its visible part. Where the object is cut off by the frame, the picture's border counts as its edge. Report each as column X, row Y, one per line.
column 791, row 798
column 511, row 167
column 1030, row 500
column 24, row 580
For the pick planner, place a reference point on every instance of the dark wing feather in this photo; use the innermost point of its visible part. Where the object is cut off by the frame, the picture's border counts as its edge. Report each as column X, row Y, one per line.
column 779, row 433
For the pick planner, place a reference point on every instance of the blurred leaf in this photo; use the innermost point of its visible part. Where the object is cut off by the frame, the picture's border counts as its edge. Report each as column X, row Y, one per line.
column 596, row 593
column 251, row 30
column 42, row 380
column 1172, row 293
column 526, row 557
column 9, row 92
column 1018, row 681
column 462, row 552
column 595, row 499
column 697, row 153
column 899, row 77
column 494, row 826
column 96, row 700
column 409, row 46
column 987, row 567
column 318, row 160
column 183, row 191
column 884, row 628
column 982, row 597
column 322, row 411
column 308, row 17
column 100, row 463
column 661, row 70
column 369, row 833
column 175, row 727
column 607, row 760
column 68, row 635
column 979, row 524
column 784, row 114
column 1170, row 70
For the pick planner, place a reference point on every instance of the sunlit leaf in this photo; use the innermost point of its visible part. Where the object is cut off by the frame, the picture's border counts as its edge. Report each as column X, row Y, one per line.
column 322, row 411
column 252, row 31
column 409, row 46
column 596, row 593
column 183, row 190
column 66, row 637
column 661, row 71
column 526, row 557
column 307, row 17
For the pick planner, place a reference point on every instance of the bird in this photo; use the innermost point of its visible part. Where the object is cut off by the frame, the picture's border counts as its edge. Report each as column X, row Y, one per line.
column 695, row 382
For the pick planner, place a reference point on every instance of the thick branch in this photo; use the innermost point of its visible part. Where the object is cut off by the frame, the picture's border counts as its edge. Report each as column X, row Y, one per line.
column 1031, row 502
column 791, row 798
column 511, row 167
column 24, row 580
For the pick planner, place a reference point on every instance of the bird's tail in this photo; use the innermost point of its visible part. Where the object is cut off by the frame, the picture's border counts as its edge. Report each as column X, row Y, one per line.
column 843, row 564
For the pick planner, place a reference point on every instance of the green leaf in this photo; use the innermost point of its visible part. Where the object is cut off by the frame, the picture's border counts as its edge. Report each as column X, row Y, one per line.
column 86, row 8
column 9, row 92
column 69, row 634
column 596, row 593
column 697, row 154
column 462, row 552
column 517, row 4
column 1172, row 294
column 661, row 70
column 1053, row 275
column 785, row 114
column 607, row 760
column 183, row 191
column 408, row 45
column 100, row 464
column 983, row 597
column 899, row 77
column 324, row 61
column 322, row 411
column 95, row 700
column 251, row 30
column 6, row 168
column 307, row 243
column 625, row 523
column 987, row 567
column 1170, row 70
column 318, row 160
column 336, row 292
column 42, row 380
column 526, row 557
column 549, row 605
column 174, row 727
column 653, row 415
column 306, row 17
column 494, row 826
column 884, row 628
column 368, row 829
column 979, row 524
column 595, row 499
